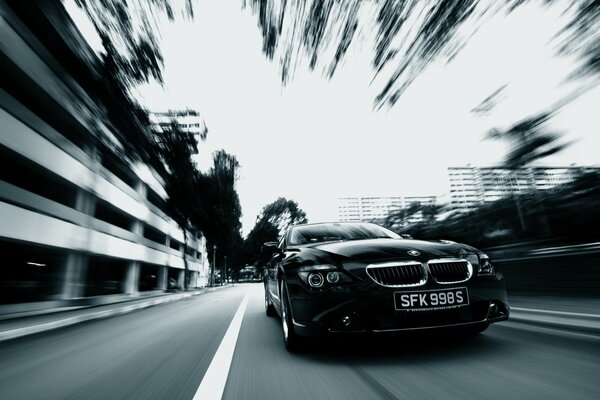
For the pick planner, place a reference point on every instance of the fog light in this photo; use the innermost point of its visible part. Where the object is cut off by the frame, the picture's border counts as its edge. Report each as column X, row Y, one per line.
column 485, row 266
column 333, row 277
column 493, row 310
column 315, row 279
column 346, row 320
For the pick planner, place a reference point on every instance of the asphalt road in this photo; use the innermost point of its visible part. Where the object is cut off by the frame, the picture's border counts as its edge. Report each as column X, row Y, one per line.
column 163, row 352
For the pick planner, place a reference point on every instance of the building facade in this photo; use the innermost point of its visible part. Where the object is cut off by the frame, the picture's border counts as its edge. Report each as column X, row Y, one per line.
column 471, row 187
column 377, row 208
column 187, row 120
column 77, row 222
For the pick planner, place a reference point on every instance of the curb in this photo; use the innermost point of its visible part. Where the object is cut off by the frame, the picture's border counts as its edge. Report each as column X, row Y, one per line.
column 48, row 326
column 570, row 321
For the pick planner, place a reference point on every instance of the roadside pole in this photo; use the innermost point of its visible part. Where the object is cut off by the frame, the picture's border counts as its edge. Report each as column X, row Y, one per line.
column 212, row 269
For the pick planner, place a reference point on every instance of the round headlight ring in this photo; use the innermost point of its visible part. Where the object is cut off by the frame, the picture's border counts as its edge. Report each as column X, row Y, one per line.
column 333, row 277
column 315, row 279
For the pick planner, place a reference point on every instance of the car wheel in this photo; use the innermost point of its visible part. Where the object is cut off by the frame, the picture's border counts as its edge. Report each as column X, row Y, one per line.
column 292, row 341
column 269, row 308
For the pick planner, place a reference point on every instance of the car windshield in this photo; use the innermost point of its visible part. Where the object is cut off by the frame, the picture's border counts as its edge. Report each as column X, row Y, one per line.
column 307, row 234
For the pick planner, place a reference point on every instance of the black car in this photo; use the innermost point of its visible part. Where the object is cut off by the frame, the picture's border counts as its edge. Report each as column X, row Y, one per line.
column 332, row 278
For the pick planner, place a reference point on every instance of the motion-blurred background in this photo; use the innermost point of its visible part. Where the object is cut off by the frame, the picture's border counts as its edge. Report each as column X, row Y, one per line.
column 102, row 200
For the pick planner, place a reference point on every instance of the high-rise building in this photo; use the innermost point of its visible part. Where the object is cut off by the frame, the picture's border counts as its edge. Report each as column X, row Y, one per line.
column 187, row 120
column 471, row 187
column 376, row 208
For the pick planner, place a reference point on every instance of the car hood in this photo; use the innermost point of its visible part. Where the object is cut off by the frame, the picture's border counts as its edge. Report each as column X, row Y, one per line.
column 381, row 249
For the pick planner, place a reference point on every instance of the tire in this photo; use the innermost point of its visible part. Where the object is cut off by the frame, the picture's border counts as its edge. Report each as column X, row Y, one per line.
column 292, row 341
column 269, row 308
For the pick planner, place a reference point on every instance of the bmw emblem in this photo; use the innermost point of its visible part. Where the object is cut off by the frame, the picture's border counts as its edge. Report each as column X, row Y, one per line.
column 413, row 253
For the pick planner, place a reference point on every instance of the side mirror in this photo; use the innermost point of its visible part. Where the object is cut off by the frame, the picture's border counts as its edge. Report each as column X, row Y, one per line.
column 406, row 236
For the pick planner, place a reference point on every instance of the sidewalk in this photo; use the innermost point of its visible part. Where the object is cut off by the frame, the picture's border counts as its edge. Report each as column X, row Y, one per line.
column 45, row 321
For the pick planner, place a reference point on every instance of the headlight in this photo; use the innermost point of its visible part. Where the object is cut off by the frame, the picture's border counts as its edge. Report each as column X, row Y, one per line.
column 315, row 279
column 333, row 277
column 317, row 276
column 485, row 266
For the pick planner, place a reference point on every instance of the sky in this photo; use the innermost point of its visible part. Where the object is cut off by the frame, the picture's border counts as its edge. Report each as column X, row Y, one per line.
column 316, row 140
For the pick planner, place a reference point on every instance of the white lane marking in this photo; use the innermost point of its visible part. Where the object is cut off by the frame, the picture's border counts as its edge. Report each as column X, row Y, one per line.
column 215, row 378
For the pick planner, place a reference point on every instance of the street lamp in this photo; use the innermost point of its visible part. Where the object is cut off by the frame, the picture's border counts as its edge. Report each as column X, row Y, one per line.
column 225, row 270
column 212, row 270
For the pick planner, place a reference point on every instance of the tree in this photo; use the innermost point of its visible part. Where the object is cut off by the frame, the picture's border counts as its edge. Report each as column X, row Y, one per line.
column 218, row 210
column 274, row 219
column 572, row 209
column 430, row 212
column 262, row 232
column 409, row 35
column 175, row 149
column 128, row 30
column 400, row 218
column 131, row 55
column 283, row 213
column 530, row 141
column 581, row 36
column 197, row 201
column 396, row 219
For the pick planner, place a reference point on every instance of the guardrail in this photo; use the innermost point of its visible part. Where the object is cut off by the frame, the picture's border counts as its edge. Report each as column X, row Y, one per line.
column 571, row 321
column 572, row 270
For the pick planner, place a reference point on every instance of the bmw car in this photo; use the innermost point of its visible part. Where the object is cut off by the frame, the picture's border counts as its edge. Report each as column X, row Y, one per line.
column 348, row 278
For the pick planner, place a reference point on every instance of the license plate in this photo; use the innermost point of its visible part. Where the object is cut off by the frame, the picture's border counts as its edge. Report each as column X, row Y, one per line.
column 431, row 299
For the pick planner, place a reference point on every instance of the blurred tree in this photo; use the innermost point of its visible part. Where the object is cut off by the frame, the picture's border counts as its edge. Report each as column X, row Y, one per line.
column 430, row 212
column 530, row 141
column 128, row 30
column 175, row 149
column 409, row 35
column 206, row 202
column 218, row 209
column 262, row 232
column 573, row 210
column 490, row 102
column 131, row 55
column 581, row 36
column 283, row 213
column 399, row 219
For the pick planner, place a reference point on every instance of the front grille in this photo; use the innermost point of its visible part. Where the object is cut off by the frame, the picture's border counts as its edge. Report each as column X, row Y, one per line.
column 398, row 274
column 450, row 271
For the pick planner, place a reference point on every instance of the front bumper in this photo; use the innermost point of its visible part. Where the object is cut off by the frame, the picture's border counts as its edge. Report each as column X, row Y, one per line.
column 367, row 307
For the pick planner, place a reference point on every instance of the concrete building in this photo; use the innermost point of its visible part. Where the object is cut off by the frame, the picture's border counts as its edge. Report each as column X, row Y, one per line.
column 376, row 208
column 76, row 222
column 471, row 187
